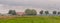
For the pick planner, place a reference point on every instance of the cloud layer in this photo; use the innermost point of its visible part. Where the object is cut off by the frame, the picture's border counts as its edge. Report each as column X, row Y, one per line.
column 21, row 5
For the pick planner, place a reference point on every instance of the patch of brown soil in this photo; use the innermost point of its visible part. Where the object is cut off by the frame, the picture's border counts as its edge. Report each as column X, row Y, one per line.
column 8, row 16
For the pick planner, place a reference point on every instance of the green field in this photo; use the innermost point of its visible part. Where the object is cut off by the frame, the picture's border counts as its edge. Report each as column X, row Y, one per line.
column 32, row 19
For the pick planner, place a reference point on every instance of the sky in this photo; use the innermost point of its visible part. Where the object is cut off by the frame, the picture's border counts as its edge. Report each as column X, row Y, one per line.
column 21, row 5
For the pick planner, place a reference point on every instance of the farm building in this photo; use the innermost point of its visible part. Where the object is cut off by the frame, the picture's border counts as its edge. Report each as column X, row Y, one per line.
column 20, row 13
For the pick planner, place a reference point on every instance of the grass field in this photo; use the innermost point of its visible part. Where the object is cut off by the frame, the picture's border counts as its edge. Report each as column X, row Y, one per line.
column 31, row 19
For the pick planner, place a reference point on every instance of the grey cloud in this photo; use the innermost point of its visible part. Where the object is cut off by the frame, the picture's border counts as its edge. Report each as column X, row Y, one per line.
column 13, row 3
column 45, row 4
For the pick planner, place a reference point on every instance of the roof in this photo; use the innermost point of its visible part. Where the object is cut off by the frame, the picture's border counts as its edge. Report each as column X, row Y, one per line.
column 20, row 13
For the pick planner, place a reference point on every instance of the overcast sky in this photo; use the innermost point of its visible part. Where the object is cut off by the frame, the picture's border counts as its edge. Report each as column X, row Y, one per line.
column 21, row 5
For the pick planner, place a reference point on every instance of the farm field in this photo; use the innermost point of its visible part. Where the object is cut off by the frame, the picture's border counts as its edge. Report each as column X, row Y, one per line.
column 30, row 19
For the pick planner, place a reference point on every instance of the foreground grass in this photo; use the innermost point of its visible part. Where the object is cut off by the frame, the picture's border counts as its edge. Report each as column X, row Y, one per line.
column 32, row 19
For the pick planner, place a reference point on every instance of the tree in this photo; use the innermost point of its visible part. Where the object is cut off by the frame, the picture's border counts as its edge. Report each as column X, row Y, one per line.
column 58, row 12
column 9, row 11
column 54, row 12
column 13, row 12
column 33, row 12
column 41, row 12
column 30, row 12
column 46, row 12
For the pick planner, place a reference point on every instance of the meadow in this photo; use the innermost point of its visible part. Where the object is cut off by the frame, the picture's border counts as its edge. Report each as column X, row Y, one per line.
column 31, row 19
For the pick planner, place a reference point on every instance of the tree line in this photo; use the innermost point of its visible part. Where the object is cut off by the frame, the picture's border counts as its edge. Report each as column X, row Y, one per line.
column 32, row 12
column 47, row 12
